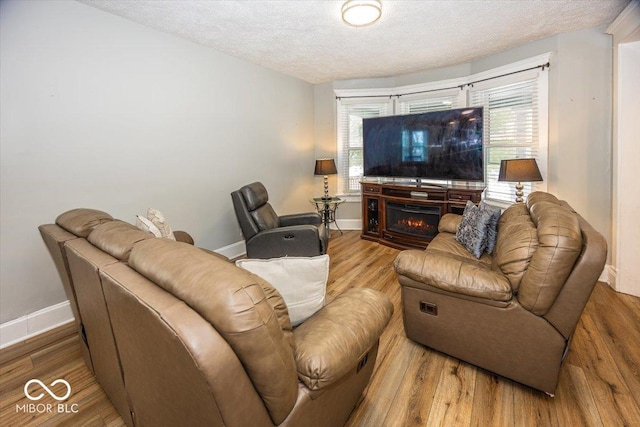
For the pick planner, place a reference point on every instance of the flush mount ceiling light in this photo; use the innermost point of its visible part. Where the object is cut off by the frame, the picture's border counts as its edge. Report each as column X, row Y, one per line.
column 360, row 13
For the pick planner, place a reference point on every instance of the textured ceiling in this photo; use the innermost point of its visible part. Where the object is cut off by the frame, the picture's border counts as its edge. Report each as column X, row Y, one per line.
column 308, row 40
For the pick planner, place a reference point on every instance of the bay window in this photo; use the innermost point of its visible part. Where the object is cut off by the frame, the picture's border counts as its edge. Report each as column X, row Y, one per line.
column 515, row 101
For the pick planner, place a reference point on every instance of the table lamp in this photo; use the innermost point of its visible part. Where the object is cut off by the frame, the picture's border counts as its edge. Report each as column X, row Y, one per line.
column 325, row 167
column 519, row 170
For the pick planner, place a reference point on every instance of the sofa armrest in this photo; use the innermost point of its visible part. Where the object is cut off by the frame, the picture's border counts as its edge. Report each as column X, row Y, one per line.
column 449, row 223
column 297, row 240
column 332, row 341
column 183, row 236
column 311, row 218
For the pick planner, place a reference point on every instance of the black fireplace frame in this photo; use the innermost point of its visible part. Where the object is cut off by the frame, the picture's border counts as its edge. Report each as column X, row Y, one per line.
column 428, row 214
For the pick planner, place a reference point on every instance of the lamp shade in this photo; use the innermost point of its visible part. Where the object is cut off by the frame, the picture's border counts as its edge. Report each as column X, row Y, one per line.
column 519, row 170
column 325, row 167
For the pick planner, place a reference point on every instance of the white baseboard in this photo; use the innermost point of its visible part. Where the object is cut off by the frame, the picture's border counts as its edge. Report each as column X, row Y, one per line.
column 611, row 276
column 608, row 276
column 25, row 327
column 349, row 224
column 233, row 250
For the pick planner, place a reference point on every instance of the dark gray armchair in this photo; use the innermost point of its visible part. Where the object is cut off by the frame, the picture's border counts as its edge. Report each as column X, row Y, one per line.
column 271, row 236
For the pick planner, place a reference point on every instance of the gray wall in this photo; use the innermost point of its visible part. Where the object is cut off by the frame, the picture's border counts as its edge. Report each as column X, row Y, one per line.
column 101, row 112
column 579, row 116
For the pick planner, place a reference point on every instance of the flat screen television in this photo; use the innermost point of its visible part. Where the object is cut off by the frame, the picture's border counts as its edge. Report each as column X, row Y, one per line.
column 440, row 145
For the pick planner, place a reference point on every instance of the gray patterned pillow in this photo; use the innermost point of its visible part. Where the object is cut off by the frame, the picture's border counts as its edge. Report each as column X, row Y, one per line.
column 472, row 231
column 492, row 226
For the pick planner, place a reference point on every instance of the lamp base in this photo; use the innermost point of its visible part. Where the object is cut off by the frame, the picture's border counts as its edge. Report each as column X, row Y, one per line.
column 519, row 192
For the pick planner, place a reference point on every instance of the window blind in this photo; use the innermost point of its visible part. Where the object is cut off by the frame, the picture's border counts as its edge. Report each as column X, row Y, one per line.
column 350, row 115
column 425, row 105
column 510, row 130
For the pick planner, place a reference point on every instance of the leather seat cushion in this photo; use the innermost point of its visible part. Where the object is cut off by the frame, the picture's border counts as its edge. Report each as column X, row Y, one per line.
column 452, row 273
column 446, row 242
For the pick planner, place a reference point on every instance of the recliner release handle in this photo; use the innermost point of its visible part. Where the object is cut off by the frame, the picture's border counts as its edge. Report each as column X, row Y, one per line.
column 429, row 308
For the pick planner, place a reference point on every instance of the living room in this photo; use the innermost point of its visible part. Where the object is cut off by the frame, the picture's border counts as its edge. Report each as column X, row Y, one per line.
column 102, row 112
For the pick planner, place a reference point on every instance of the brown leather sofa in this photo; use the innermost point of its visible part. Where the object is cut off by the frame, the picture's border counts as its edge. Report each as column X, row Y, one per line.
column 178, row 336
column 512, row 312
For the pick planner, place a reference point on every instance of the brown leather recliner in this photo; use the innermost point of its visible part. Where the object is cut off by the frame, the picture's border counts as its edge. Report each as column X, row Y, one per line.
column 268, row 235
column 513, row 312
column 187, row 338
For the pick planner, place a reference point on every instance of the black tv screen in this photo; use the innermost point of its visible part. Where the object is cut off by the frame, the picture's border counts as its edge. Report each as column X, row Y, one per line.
column 441, row 145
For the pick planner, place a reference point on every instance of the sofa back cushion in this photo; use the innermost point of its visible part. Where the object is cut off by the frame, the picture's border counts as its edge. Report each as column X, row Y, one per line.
column 117, row 238
column 236, row 304
column 265, row 217
column 559, row 244
column 81, row 222
column 516, row 243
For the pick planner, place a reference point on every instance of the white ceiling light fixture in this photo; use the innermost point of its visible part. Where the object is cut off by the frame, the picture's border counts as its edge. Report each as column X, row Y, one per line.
column 360, row 13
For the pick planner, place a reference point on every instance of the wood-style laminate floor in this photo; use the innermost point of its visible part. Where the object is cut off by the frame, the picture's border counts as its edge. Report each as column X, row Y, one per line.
column 411, row 385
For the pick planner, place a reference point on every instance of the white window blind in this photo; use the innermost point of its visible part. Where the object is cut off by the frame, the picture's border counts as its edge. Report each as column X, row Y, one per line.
column 511, row 120
column 350, row 115
column 427, row 103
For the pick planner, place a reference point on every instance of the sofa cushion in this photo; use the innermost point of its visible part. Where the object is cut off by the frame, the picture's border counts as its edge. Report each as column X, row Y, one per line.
column 235, row 303
column 117, row 238
column 81, row 222
column 301, row 281
column 472, row 231
column 517, row 241
column 265, row 217
column 254, row 195
column 560, row 243
column 453, row 273
column 541, row 196
column 332, row 342
column 492, row 225
column 446, row 242
column 449, row 223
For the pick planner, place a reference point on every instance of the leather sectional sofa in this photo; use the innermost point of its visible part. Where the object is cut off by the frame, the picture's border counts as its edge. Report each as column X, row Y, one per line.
column 177, row 335
column 513, row 312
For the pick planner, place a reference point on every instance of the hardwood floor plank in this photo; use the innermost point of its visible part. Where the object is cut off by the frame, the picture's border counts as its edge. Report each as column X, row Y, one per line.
column 575, row 403
column 612, row 396
column 533, row 408
column 493, row 403
column 418, row 386
column 411, row 385
column 453, row 403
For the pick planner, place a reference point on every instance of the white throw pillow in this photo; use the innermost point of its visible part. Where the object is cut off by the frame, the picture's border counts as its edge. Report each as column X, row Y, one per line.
column 301, row 281
column 147, row 226
column 156, row 217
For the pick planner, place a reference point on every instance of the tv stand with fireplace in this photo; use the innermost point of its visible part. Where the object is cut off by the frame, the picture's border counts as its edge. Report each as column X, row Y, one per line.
column 406, row 216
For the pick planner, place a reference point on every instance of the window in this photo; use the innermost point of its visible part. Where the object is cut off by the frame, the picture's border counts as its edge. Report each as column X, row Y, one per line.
column 515, row 101
column 511, row 121
column 350, row 115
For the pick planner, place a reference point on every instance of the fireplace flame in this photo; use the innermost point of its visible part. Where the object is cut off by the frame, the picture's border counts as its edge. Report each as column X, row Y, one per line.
column 414, row 223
